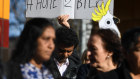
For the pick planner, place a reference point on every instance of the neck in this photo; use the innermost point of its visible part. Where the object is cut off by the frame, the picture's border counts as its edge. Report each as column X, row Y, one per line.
column 135, row 76
column 107, row 67
column 60, row 61
column 36, row 63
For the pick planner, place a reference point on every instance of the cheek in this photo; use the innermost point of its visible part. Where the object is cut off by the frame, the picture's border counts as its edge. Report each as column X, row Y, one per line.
column 43, row 55
column 40, row 48
column 137, row 56
column 40, row 44
column 100, row 57
column 43, row 46
column 70, row 54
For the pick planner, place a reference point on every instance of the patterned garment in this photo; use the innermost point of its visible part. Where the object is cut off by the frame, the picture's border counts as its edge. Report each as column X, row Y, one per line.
column 29, row 71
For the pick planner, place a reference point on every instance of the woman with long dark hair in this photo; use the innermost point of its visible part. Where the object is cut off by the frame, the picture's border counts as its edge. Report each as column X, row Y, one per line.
column 33, row 50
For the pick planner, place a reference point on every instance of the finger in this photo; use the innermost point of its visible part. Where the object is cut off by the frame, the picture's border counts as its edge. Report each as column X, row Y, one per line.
column 63, row 17
column 66, row 18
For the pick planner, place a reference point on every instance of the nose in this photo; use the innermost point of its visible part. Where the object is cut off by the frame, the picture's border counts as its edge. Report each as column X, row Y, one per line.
column 51, row 44
column 66, row 54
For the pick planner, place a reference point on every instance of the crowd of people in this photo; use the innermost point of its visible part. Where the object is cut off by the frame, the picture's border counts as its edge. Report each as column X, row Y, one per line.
column 45, row 53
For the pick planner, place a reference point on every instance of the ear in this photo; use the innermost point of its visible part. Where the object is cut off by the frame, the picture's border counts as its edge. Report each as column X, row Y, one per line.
column 109, row 54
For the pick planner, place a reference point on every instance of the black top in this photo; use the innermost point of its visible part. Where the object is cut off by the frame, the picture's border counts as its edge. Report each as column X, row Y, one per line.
column 87, row 72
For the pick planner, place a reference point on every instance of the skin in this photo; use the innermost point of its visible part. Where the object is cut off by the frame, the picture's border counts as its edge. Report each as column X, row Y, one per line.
column 133, row 59
column 45, row 47
column 61, row 56
column 62, row 53
column 100, row 58
column 63, row 20
column 87, row 61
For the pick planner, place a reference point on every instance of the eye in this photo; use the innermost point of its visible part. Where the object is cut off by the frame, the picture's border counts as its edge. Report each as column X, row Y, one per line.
column 92, row 49
column 46, row 39
column 69, row 51
column 108, row 22
column 61, row 50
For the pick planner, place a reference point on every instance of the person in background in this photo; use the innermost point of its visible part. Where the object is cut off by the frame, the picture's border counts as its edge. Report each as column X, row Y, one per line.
column 131, row 48
column 33, row 50
column 85, row 57
column 105, row 55
column 64, row 60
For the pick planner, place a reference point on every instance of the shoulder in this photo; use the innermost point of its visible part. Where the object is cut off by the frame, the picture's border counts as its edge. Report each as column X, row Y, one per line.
column 120, row 73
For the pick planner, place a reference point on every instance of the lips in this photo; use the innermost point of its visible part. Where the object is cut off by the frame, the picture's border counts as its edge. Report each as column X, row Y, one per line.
column 48, row 53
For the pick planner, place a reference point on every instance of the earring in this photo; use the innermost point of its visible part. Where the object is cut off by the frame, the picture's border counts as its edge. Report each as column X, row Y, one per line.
column 108, row 57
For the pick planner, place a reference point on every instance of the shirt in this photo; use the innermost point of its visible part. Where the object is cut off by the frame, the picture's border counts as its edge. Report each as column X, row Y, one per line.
column 29, row 71
column 62, row 68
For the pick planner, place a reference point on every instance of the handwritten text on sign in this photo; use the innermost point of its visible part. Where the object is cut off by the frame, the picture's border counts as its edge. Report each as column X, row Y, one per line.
column 78, row 9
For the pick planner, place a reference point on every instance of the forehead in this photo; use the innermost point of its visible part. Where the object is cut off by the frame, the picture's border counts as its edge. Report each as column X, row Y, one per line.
column 49, row 31
column 96, row 39
column 61, row 46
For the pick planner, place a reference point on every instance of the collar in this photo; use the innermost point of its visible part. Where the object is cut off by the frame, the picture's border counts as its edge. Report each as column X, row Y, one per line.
column 65, row 63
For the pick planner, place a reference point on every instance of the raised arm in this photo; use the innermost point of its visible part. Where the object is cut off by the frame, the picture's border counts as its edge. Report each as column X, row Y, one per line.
column 63, row 20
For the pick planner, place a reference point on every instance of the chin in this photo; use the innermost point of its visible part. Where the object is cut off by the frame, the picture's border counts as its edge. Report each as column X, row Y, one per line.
column 94, row 64
column 63, row 60
column 46, row 58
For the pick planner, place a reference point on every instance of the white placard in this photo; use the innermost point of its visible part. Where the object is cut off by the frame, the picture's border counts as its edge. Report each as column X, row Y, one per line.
column 77, row 9
column 84, row 8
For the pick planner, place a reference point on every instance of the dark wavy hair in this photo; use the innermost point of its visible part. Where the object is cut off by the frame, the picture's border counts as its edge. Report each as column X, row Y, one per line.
column 130, row 39
column 27, row 43
column 112, row 43
column 66, row 37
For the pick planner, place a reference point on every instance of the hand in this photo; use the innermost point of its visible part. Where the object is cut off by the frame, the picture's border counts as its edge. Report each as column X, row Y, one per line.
column 63, row 20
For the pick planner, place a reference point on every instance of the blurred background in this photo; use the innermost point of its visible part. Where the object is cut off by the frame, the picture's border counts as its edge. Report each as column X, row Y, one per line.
column 126, row 10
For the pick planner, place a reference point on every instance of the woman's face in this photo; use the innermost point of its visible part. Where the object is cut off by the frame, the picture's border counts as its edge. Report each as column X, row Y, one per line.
column 133, row 57
column 45, row 44
column 99, row 56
